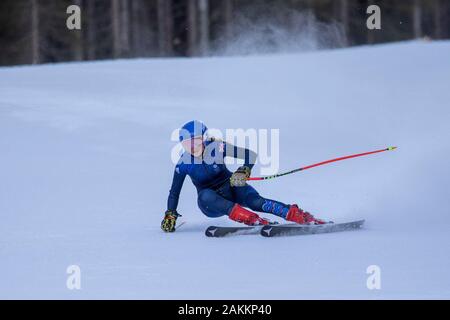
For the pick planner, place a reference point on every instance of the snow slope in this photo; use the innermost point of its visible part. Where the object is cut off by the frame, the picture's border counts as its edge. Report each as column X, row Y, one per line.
column 85, row 170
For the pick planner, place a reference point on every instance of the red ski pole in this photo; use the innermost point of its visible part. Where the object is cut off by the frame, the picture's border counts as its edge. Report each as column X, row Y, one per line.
column 320, row 164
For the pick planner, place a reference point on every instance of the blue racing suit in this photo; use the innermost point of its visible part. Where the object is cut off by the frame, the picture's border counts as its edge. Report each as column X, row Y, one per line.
column 209, row 174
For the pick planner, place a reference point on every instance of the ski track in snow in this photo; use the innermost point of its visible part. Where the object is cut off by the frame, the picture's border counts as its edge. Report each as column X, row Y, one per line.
column 85, row 170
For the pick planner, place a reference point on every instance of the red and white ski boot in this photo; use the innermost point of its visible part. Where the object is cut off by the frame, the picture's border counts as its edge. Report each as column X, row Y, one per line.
column 247, row 217
column 297, row 215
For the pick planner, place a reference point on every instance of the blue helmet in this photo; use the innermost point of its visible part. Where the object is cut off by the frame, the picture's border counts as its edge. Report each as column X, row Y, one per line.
column 192, row 129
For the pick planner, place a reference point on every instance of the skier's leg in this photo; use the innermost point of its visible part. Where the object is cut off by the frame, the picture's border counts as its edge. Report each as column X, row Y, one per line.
column 212, row 204
column 254, row 200
column 249, row 197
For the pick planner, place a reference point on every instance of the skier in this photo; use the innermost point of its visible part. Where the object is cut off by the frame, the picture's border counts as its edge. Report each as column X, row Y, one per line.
column 221, row 192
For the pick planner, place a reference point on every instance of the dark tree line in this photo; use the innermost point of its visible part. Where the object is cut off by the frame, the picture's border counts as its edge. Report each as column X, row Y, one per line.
column 34, row 31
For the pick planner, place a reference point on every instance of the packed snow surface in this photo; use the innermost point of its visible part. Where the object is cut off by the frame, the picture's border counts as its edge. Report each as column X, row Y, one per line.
column 85, row 169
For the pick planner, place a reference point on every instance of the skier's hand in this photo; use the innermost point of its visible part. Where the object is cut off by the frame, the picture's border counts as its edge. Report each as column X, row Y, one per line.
column 169, row 221
column 239, row 177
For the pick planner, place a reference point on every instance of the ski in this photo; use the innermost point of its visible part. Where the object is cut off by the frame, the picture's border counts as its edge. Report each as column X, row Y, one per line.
column 219, row 232
column 292, row 229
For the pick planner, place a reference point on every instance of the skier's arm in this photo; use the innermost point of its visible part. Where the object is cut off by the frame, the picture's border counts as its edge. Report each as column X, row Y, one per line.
column 171, row 215
column 245, row 154
column 240, row 176
column 177, row 183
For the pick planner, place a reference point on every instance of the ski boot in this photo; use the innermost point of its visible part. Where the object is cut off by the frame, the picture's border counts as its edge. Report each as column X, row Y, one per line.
column 247, row 217
column 297, row 215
